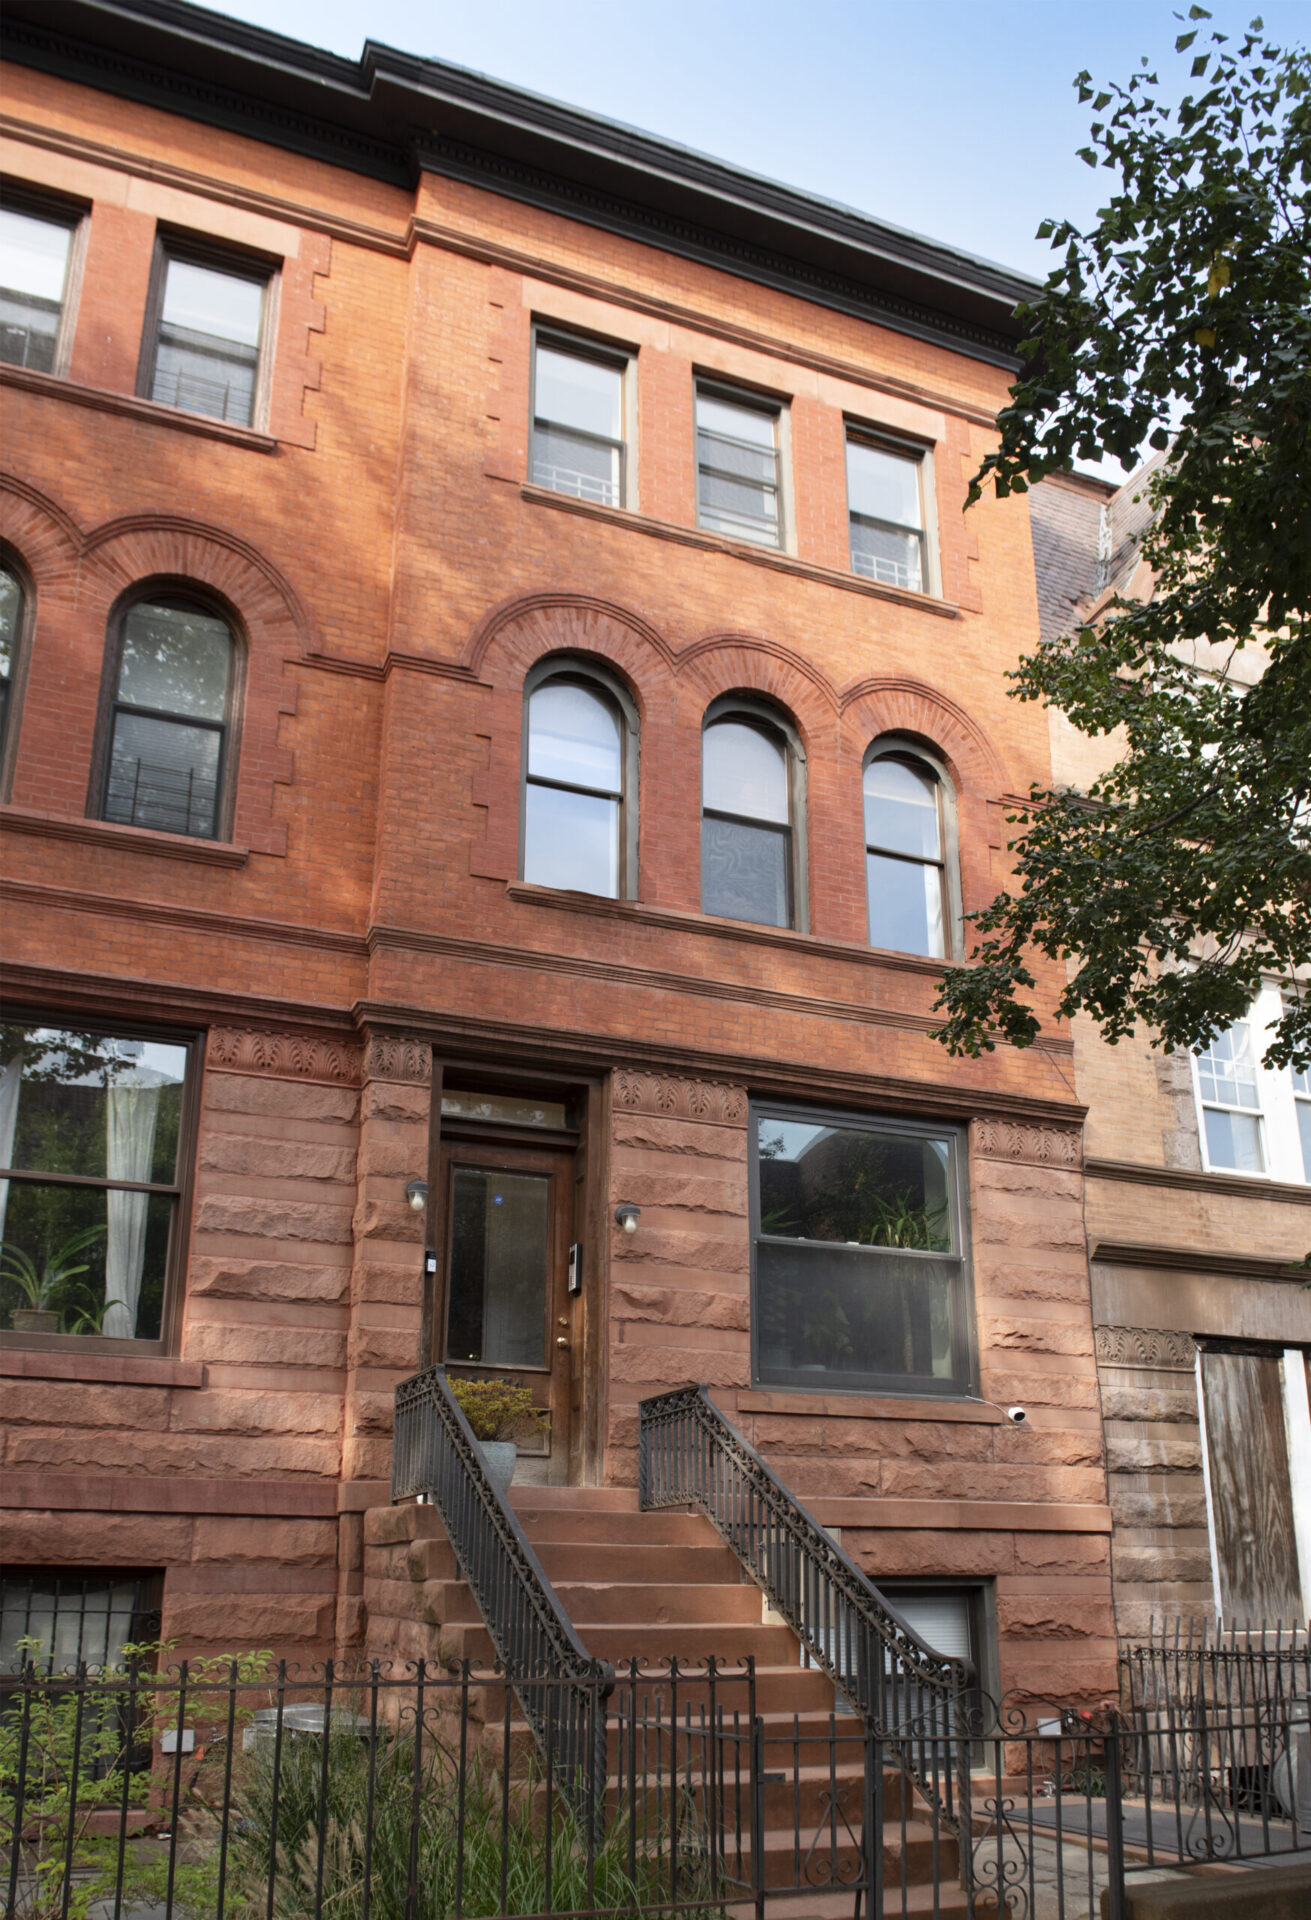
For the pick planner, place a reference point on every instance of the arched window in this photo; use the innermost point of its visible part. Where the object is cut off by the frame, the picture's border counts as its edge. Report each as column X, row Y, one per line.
column 909, row 853
column 749, row 806
column 580, row 815
column 170, row 718
column 13, row 622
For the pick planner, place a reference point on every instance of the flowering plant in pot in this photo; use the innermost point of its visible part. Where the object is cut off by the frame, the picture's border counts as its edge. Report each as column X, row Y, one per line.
column 500, row 1412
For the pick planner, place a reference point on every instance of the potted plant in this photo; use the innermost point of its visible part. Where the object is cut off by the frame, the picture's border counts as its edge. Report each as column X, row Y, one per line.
column 42, row 1287
column 500, row 1413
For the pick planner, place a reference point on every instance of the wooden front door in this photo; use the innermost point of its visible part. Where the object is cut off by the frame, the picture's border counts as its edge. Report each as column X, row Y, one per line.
column 508, row 1212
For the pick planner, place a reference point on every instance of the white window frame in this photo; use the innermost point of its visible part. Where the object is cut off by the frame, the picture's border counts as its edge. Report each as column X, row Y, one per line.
column 1276, row 1112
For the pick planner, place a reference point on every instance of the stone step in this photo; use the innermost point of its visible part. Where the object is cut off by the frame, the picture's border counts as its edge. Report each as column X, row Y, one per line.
column 607, row 1602
column 648, row 1563
column 575, row 1499
column 615, row 1527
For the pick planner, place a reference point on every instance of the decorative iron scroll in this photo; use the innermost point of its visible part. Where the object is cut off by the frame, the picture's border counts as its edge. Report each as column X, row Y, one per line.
column 436, row 1457
column 689, row 1454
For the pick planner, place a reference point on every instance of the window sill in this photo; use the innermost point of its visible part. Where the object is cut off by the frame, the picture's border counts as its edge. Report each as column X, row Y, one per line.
column 107, row 833
column 857, row 1406
column 740, row 549
column 672, row 919
column 134, row 408
column 107, row 1369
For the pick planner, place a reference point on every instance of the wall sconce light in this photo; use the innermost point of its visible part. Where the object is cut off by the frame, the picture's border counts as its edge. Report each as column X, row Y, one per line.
column 416, row 1193
column 626, row 1217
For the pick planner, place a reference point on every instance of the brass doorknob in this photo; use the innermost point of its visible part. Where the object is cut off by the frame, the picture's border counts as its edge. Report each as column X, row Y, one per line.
column 560, row 1340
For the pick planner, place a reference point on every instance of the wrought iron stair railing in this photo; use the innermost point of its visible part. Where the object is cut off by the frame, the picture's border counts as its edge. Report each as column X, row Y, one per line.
column 690, row 1455
column 436, row 1458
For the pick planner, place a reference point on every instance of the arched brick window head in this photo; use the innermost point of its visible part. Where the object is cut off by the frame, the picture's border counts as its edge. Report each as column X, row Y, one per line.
column 575, row 834
column 170, row 719
column 748, row 816
column 910, row 855
column 11, row 634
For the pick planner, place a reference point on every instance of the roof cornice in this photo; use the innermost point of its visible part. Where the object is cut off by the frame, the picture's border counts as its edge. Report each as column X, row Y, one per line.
column 392, row 113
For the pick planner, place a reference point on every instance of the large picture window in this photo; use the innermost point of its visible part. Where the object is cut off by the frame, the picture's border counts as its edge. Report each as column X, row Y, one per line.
column 91, row 1132
column 861, row 1281
column 169, row 719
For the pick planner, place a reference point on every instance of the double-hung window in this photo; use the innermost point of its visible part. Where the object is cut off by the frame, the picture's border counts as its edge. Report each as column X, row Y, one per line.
column 579, row 418
column 909, row 879
column 739, row 481
column 579, row 812
column 36, row 252
column 748, row 783
column 92, row 1131
column 1231, row 1101
column 1302, row 1108
column 204, row 334
column 169, row 720
column 885, row 503
column 861, row 1278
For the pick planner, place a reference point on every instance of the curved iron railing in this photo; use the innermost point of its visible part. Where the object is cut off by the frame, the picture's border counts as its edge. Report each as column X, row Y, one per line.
column 436, row 1457
column 689, row 1454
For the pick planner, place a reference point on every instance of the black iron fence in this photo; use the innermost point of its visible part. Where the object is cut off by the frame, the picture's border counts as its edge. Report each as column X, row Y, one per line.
column 246, row 1791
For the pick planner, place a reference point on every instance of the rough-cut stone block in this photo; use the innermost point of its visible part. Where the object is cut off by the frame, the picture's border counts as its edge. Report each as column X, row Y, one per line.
column 387, row 1526
column 1057, row 1446
column 679, row 1306
column 385, row 1215
column 1031, row 1617
column 242, row 1538
column 1163, row 1561
column 269, row 1158
column 391, row 1100
column 1069, row 1389
column 298, row 1099
column 709, row 1253
column 1061, row 1552
column 273, row 1219
column 675, row 1136
column 1130, row 1453
column 243, row 1622
column 1150, row 1403
column 689, row 1193
column 235, row 1412
column 1167, row 1503
column 36, row 1539
column 661, row 1368
column 48, row 1403
column 257, row 1346
column 1029, row 1225
column 209, row 1454
column 928, row 1554
column 267, row 1279
column 385, row 1346
column 1014, row 1335
column 370, row 1413
column 399, row 1282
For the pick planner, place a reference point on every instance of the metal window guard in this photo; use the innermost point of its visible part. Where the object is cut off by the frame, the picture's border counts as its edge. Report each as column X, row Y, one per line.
column 689, row 1454
column 436, row 1458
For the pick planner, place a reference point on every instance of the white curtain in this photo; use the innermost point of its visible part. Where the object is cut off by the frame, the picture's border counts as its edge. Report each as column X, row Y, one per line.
column 130, row 1116
column 11, row 1075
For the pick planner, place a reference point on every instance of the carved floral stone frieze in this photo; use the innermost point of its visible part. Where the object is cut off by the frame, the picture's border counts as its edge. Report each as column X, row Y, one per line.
column 1038, row 1145
column 670, row 1097
column 1161, row 1347
column 398, row 1056
column 284, row 1056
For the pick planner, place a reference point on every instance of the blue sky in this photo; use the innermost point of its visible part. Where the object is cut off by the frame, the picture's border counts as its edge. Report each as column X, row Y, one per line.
column 956, row 118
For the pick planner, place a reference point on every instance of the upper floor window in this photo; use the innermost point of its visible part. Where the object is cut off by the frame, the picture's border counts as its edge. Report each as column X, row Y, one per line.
column 1302, row 1107
column 169, row 719
column 738, row 471
column 886, row 508
column 36, row 250
column 579, row 420
column 579, row 824
column 203, row 335
column 1231, row 1101
column 909, row 880
column 860, row 1267
column 90, row 1180
column 13, row 608
column 747, row 808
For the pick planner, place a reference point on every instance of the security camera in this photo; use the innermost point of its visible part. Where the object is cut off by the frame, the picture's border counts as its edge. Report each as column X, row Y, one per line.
column 1016, row 1415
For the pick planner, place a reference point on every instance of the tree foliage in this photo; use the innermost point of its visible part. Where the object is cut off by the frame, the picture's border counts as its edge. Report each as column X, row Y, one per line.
column 1180, row 320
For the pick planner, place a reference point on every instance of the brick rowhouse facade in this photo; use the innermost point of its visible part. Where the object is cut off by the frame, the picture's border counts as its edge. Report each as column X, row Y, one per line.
column 357, row 935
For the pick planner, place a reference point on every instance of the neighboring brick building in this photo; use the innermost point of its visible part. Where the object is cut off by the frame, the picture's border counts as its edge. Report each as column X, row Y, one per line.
column 1198, row 1185
column 520, row 410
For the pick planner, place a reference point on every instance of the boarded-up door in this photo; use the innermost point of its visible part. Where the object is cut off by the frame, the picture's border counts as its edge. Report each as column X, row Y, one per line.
column 1251, row 1495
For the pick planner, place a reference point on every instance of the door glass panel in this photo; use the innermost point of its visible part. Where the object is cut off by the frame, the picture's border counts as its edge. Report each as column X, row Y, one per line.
column 499, row 1269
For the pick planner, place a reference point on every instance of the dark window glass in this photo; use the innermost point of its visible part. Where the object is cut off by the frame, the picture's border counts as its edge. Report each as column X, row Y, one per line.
column 746, row 835
column 34, row 251
column 887, row 515
column 859, row 1263
column 73, row 1615
column 904, row 869
column 578, row 424
column 574, row 793
column 11, row 632
column 499, row 1268
column 737, row 469
column 207, row 341
column 89, row 1180
column 168, row 734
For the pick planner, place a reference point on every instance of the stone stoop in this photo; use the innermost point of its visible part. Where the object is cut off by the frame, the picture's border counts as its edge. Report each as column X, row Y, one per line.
column 644, row 1587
